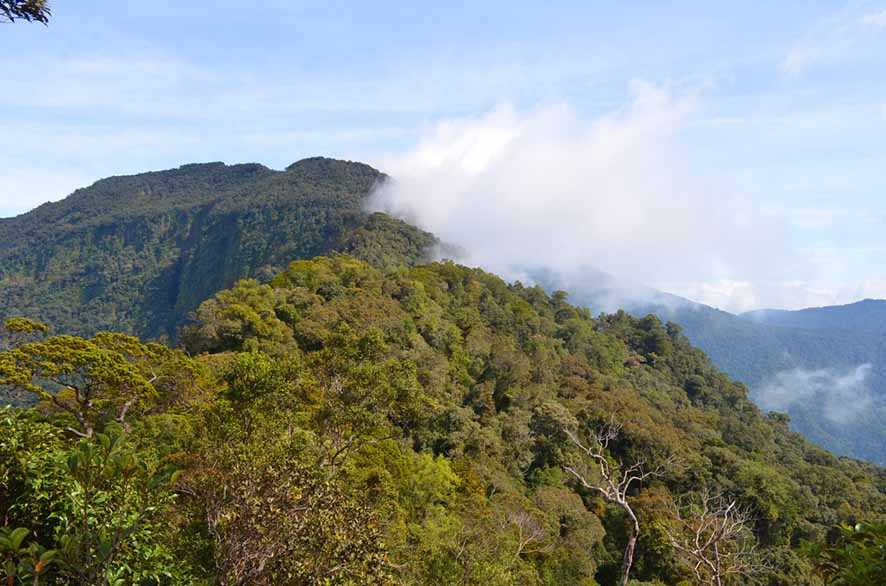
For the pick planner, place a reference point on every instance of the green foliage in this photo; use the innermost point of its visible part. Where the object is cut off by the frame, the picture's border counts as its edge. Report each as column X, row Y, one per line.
column 137, row 254
column 857, row 556
column 97, row 380
column 109, row 529
column 94, row 508
column 498, row 371
column 21, row 562
column 359, row 425
column 23, row 325
column 265, row 509
column 247, row 314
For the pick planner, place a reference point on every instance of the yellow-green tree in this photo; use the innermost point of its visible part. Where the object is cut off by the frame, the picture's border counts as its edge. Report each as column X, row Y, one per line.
column 94, row 381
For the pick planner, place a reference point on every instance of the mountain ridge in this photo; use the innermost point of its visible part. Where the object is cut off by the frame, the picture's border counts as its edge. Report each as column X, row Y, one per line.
column 761, row 355
column 137, row 253
column 867, row 315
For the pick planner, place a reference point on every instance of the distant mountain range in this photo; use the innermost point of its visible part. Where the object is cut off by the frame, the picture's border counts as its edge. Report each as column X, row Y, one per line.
column 825, row 367
column 868, row 315
column 139, row 253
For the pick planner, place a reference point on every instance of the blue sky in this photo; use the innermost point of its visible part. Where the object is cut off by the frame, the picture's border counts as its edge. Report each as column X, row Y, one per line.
column 779, row 106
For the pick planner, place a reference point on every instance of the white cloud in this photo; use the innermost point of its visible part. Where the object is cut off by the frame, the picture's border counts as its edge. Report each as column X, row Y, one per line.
column 840, row 396
column 740, row 296
column 76, row 118
column 877, row 19
column 547, row 188
column 737, row 296
column 837, row 39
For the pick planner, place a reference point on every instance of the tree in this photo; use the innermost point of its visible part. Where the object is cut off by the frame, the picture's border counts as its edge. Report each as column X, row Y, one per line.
column 30, row 10
column 856, row 557
column 271, row 510
column 247, row 314
column 714, row 538
column 95, row 512
column 612, row 485
column 18, row 330
column 111, row 526
column 95, row 380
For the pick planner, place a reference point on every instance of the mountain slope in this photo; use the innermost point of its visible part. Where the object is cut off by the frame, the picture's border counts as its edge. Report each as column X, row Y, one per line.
column 868, row 315
column 347, row 425
column 497, row 368
column 797, row 370
column 138, row 253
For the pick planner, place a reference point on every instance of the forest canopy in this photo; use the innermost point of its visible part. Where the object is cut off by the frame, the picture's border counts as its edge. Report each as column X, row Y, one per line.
column 347, row 424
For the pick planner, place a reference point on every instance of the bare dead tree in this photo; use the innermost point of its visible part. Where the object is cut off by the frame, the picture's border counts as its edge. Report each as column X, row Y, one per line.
column 714, row 538
column 530, row 532
column 614, row 480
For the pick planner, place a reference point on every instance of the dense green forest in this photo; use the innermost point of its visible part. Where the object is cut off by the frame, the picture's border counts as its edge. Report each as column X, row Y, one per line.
column 344, row 424
column 756, row 348
column 137, row 253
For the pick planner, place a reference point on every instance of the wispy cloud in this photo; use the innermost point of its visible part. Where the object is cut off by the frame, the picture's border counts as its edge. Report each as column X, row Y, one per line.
column 877, row 19
column 842, row 37
column 839, row 395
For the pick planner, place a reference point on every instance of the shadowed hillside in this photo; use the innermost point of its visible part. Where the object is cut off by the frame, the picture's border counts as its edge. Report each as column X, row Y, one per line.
column 137, row 253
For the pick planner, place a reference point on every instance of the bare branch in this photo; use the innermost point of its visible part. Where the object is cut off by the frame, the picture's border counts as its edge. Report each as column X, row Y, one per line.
column 613, row 486
column 713, row 536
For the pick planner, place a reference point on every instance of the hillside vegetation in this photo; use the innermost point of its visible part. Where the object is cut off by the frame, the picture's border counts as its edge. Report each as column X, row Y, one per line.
column 342, row 424
column 759, row 347
column 136, row 254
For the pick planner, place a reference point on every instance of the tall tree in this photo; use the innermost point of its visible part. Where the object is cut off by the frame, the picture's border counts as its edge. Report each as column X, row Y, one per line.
column 595, row 472
column 31, row 10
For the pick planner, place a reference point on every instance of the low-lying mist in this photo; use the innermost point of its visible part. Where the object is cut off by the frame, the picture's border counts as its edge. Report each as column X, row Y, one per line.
column 841, row 395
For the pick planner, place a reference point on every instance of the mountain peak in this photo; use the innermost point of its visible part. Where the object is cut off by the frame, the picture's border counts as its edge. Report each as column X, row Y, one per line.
column 321, row 168
column 136, row 253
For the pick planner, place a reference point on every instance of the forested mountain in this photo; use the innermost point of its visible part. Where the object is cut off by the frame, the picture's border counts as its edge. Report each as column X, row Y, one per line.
column 137, row 253
column 344, row 424
column 360, row 421
column 793, row 362
column 868, row 315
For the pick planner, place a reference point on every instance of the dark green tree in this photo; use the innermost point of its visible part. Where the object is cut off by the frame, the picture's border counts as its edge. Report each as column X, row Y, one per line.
column 855, row 558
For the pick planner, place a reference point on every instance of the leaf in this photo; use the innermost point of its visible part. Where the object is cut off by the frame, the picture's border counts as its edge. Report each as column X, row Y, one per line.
column 73, row 462
column 17, row 537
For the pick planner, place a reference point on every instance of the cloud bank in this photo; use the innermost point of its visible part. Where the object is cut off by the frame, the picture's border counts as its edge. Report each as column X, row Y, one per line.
column 841, row 396
column 548, row 188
